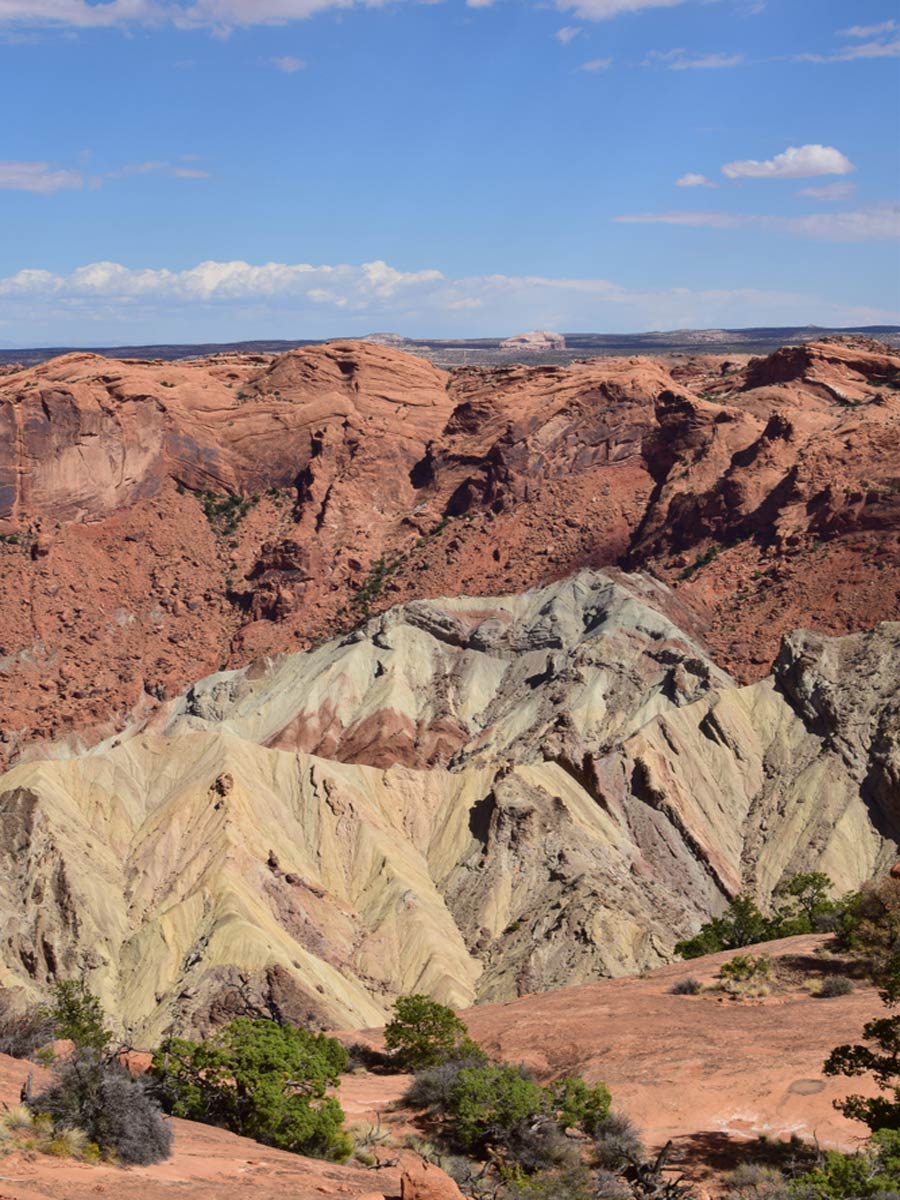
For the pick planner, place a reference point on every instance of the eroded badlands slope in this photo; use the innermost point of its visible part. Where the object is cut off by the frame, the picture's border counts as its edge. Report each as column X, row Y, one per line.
column 469, row 797
column 164, row 519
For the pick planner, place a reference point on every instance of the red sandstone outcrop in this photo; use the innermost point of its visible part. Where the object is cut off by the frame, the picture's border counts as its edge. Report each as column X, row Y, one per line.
column 360, row 475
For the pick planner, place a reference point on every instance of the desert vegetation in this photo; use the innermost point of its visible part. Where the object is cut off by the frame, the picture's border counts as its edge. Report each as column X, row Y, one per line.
column 802, row 904
column 261, row 1079
column 91, row 1108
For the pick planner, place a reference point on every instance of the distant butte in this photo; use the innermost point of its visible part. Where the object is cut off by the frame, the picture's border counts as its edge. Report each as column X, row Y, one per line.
column 540, row 339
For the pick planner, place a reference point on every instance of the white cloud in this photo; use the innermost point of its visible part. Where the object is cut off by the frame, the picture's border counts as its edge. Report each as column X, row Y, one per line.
column 692, row 179
column 43, row 177
column 603, row 10
column 37, row 177
column 566, row 34
column 219, row 299
column 223, row 15
column 219, row 15
column 681, row 60
column 830, row 191
column 797, row 162
column 287, row 63
column 866, row 31
column 156, row 167
column 869, row 224
column 852, row 53
column 596, row 64
column 74, row 12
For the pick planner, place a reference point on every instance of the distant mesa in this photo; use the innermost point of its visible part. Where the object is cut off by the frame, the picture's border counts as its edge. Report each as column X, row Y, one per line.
column 386, row 339
column 538, row 339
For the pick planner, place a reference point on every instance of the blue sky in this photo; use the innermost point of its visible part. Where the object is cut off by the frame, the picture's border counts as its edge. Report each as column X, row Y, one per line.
column 225, row 169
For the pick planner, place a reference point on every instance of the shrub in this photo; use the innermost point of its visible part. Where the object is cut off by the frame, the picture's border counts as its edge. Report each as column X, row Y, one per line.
column 611, row 1187
column 260, row 1079
column 750, row 1181
column 76, row 1014
column 873, row 1173
column 488, row 1105
column 569, row 1183
column 19, row 1116
column 423, row 1033
column 65, row 1143
column 23, row 1033
column 745, row 973
column 835, row 985
column 361, row 1055
column 432, row 1088
column 537, row 1144
column 577, row 1106
column 617, row 1143
column 94, row 1094
column 686, row 987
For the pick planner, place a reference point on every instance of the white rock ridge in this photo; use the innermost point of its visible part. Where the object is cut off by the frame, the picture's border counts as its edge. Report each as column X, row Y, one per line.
column 468, row 797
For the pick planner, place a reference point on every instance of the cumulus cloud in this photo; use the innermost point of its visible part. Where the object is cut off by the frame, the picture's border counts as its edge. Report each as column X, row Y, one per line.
column 868, row 224
column 596, row 64
column 797, row 162
column 287, row 63
column 692, row 179
column 830, row 191
column 566, row 34
column 328, row 300
column 37, row 177
column 681, row 60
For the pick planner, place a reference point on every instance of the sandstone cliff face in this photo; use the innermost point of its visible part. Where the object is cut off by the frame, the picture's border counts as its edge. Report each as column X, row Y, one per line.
column 505, row 795
column 162, row 520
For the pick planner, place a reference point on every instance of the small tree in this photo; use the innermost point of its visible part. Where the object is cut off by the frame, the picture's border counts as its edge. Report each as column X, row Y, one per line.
column 874, row 933
column 806, row 898
column 76, row 1014
column 260, row 1079
column 882, row 1060
column 869, row 926
column 803, row 902
column 742, row 924
column 423, row 1033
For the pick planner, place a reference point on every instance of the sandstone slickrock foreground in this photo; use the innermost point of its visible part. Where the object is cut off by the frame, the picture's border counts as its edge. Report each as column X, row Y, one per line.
column 470, row 797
